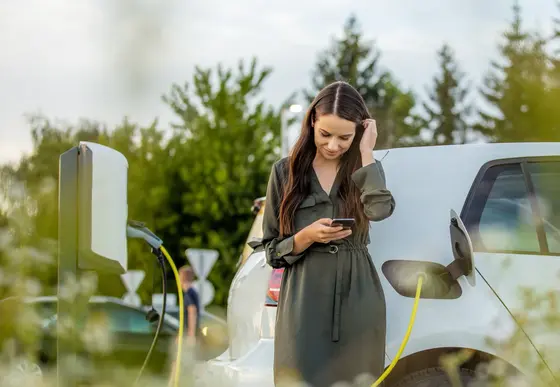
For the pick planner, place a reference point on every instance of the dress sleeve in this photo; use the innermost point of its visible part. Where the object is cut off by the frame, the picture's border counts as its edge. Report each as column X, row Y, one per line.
column 278, row 250
column 378, row 201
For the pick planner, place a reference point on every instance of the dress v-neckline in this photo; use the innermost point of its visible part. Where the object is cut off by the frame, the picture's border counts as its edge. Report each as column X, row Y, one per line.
column 334, row 185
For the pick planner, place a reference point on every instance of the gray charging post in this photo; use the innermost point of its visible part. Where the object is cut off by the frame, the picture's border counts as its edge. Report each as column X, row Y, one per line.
column 92, row 221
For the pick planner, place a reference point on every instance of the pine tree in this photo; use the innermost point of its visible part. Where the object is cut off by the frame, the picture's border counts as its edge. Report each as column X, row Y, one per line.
column 449, row 110
column 554, row 80
column 517, row 89
column 356, row 61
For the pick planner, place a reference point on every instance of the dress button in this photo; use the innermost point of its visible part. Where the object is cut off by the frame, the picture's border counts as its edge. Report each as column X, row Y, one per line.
column 333, row 249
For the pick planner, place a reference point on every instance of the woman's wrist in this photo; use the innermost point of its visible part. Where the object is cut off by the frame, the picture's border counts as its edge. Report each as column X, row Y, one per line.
column 367, row 158
column 302, row 241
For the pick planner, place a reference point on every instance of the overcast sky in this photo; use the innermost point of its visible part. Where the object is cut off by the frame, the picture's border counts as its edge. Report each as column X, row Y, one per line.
column 70, row 59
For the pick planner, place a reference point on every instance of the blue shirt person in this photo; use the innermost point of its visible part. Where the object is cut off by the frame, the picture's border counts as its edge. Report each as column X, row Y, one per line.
column 191, row 303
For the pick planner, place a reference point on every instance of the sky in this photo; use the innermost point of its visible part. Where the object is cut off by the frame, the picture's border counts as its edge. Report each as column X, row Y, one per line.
column 106, row 59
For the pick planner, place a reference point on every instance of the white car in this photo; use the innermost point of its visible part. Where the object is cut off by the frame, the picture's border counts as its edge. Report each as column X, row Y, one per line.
column 507, row 197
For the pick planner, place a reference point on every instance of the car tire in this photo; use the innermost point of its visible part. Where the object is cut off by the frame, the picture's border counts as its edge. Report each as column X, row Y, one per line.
column 435, row 377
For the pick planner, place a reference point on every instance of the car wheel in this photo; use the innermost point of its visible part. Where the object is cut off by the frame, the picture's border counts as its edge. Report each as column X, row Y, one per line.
column 436, row 377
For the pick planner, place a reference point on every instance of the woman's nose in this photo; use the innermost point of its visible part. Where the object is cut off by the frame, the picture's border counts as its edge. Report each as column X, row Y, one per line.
column 333, row 145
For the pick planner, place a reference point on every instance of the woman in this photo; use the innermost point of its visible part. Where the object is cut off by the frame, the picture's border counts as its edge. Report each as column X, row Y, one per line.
column 331, row 314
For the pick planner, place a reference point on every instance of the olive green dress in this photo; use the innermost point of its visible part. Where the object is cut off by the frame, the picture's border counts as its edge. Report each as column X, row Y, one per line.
column 330, row 324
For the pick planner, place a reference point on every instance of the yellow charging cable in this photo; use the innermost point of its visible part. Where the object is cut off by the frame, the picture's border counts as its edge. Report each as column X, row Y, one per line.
column 181, row 317
column 406, row 336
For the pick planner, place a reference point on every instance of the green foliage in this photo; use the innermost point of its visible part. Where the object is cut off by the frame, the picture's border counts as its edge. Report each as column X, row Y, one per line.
column 224, row 147
column 356, row 61
column 518, row 90
column 449, row 110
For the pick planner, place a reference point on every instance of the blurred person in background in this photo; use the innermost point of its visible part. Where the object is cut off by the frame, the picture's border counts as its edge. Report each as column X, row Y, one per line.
column 331, row 322
column 191, row 304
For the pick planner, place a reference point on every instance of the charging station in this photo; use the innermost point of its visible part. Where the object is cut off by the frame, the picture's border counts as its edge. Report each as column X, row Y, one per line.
column 92, row 227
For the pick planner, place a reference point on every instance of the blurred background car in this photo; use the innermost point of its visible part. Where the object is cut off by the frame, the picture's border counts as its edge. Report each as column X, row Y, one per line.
column 130, row 332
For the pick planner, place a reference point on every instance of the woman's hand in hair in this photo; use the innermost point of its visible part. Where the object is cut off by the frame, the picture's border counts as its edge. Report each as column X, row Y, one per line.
column 321, row 231
column 369, row 138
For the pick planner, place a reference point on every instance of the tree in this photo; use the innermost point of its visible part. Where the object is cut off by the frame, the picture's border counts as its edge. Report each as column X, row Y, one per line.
column 448, row 112
column 554, row 80
column 224, row 147
column 517, row 89
column 356, row 61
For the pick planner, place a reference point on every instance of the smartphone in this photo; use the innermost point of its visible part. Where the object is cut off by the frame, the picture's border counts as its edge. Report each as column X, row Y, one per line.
column 346, row 223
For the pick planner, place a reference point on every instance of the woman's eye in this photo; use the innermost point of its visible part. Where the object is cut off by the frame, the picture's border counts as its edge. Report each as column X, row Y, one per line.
column 325, row 134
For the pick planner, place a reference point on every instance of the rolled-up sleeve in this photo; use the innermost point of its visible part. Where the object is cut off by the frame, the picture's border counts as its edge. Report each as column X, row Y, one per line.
column 377, row 200
column 278, row 249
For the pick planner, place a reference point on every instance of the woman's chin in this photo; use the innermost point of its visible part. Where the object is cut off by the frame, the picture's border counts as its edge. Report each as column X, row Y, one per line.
column 330, row 156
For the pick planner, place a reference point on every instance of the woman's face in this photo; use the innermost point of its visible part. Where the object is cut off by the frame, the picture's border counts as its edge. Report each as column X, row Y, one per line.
column 333, row 136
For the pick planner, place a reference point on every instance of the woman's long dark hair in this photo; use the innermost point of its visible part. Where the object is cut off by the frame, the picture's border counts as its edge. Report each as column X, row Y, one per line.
column 342, row 100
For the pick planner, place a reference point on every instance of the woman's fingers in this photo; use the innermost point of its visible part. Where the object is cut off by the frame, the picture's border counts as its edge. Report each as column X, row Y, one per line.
column 341, row 234
column 332, row 230
column 337, row 235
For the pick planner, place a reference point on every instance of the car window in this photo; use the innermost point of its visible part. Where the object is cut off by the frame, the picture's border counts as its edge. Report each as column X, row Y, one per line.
column 506, row 222
column 124, row 319
column 546, row 181
column 121, row 319
column 501, row 217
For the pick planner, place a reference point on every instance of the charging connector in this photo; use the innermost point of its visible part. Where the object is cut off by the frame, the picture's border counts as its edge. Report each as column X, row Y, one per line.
column 138, row 230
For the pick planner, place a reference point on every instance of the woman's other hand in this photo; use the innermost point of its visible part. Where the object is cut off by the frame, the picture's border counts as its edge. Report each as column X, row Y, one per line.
column 369, row 138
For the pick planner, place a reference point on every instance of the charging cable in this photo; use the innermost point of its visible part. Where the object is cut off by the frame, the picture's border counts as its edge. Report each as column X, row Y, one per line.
column 421, row 278
column 161, row 261
column 177, row 367
column 139, row 230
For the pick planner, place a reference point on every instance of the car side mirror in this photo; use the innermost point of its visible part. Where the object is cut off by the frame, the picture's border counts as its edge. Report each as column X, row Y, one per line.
column 461, row 246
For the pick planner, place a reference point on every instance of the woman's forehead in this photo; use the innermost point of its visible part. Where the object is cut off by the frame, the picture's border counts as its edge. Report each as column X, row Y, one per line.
column 335, row 125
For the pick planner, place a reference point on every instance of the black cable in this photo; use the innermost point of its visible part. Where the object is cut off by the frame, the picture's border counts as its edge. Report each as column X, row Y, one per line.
column 161, row 260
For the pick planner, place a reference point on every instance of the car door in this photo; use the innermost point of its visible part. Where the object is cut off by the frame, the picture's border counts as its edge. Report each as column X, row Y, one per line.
column 513, row 218
column 132, row 335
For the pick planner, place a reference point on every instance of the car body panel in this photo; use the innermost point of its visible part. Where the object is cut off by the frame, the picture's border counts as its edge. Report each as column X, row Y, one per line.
column 246, row 304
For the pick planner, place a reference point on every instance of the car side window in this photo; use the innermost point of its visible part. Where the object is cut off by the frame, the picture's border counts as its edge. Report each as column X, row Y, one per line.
column 126, row 320
column 500, row 218
column 545, row 177
column 512, row 205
